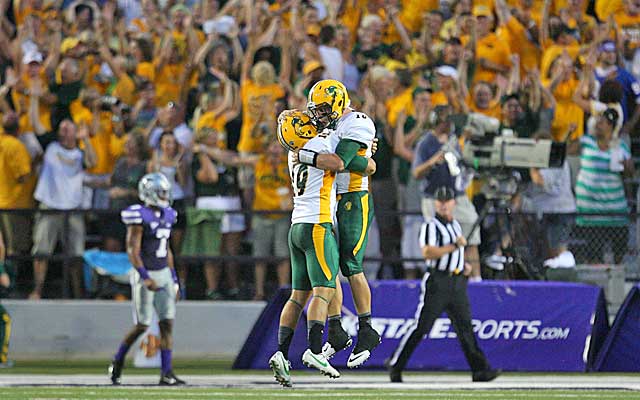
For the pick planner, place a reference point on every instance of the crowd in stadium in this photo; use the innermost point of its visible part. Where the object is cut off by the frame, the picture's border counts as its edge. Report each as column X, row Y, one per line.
column 94, row 94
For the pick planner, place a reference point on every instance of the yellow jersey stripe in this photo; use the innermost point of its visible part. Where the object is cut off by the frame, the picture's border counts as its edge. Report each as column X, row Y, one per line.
column 7, row 334
column 326, row 211
column 355, row 180
column 318, row 235
column 365, row 221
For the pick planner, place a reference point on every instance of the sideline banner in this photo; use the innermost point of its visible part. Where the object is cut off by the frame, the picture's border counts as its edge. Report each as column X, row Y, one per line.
column 621, row 350
column 520, row 325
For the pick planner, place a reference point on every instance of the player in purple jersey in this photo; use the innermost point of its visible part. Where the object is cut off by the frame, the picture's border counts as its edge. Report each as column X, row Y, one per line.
column 155, row 285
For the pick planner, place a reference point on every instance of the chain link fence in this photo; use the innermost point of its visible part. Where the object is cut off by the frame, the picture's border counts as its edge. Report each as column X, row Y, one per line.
column 592, row 239
column 528, row 238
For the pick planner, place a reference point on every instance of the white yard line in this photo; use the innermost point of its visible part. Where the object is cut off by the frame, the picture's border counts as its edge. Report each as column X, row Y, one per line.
column 349, row 381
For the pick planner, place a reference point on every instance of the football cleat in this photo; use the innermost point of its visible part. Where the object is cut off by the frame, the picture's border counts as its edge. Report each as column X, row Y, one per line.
column 486, row 375
column 115, row 371
column 368, row 339
column 338, row 340
column 170, row 379
column 281, row 367
column 319, row 362
column 395, row 376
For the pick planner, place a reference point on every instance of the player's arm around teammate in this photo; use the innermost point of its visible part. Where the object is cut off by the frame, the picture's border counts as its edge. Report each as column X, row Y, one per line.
column 350, row 257
column 329, row 105
column 345, row 158
column 312, row 244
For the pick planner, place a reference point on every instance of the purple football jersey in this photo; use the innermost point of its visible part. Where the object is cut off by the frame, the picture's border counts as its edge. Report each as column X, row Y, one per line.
column 157, row 231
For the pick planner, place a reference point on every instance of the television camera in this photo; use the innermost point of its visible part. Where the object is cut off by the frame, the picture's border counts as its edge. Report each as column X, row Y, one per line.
column 496, row 155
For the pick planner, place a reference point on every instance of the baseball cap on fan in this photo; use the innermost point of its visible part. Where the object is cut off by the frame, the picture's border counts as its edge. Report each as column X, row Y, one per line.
column 311, row 66
column 608, row 46
column 32, row 57
column 448, row 71
column 481, row 10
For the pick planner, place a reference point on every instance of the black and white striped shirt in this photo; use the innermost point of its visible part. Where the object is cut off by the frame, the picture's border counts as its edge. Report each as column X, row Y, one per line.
column 438, row 232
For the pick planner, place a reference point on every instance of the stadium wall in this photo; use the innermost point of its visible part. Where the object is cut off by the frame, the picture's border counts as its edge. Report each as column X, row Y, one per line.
column 521, row 326
column 92, row 329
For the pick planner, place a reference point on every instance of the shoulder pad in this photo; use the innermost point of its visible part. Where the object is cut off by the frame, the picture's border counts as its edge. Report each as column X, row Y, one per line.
column 172, row 215
column 132, row 215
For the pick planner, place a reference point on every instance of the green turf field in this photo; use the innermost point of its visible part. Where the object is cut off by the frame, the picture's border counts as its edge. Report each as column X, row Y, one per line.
column 214, row 379
column 269, row 394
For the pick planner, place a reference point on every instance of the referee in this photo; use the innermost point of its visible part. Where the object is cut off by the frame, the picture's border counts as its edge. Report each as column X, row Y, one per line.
column 443, row 288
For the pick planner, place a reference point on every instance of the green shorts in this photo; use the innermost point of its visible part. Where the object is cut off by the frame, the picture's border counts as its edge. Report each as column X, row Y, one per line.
column 314, row 256
column 355, row 213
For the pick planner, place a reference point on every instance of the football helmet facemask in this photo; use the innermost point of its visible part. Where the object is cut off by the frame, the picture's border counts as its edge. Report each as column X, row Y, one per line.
column 327, row 101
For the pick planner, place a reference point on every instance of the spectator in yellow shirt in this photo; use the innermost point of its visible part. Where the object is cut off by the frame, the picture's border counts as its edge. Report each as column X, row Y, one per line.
column 563, row 43
column 15, row 170
column 563, row 84
column 628, row 24
column 259, row 91
column 458, row 9
column 258, row 95
column 574, row 15
column 32, row 74
column 142, row 51
column 520, row 32
column 171, row 73
column 124, row 88
column 217, row 110
column 272, row 193
column 449, row 93
column 492, row 54
column 483, row 100
column 605, row 8
column 92, row 112
column 402, row 97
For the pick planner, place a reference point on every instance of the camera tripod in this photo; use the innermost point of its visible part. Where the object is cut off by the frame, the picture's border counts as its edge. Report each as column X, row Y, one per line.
column 500, row 191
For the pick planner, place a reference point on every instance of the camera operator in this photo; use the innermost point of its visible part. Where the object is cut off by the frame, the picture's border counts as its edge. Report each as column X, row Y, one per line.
column 549, row 195
column 444, row 288
column 429, row 167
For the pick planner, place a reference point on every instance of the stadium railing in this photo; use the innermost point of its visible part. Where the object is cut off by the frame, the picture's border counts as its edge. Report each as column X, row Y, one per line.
column 527, row 237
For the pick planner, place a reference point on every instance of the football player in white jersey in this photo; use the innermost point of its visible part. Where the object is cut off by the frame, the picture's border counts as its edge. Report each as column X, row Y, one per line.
column 329, row 107
column 313, row 248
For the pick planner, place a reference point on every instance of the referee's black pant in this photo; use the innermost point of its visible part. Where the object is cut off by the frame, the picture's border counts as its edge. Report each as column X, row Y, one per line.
column 442, row 292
